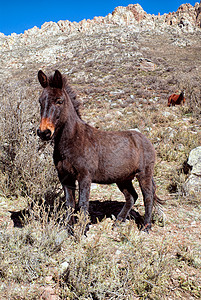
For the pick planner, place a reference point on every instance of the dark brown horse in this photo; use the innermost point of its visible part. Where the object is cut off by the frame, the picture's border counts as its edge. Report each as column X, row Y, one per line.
column 85, row 154
column 176, row 99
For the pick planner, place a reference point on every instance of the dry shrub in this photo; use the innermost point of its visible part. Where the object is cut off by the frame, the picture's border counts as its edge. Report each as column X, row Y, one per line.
column 193, row 96
column 19, row 292
column 108, row 263
column 44, row 228
column 176, row 181
column 123, row 264
column 175, row 144
column 107, row 266
column 24, row 168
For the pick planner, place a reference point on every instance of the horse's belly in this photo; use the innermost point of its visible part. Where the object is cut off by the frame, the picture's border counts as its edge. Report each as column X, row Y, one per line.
column 111, row 172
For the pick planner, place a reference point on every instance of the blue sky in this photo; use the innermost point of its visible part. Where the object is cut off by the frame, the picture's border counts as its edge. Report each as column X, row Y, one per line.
column 17, row 16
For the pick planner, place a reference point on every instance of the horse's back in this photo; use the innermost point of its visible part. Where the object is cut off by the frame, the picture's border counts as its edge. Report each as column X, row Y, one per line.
column 128, row 141
column 122, row 154
column 172, row 99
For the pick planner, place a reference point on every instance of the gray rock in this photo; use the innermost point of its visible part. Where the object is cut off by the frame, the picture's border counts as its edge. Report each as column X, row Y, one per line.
column 193, row 183
column 194, row 161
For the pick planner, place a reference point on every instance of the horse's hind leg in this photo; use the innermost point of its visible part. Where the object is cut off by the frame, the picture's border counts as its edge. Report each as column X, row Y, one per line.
column 130, row 195
column 148, row 188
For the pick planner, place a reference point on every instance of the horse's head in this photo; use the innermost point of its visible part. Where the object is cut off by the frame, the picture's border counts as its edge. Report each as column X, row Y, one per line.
column 51, row 103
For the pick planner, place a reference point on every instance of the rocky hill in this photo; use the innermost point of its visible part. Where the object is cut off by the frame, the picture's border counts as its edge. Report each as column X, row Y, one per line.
column 126, row 39
column 186, row 17
column 56, row 41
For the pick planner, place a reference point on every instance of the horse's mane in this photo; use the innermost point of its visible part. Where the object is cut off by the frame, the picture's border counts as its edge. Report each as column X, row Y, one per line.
column 71, row 93
column 181, row 95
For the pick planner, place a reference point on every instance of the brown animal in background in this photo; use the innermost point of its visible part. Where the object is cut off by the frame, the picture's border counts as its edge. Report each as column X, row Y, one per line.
column 176, row 99
column 85, row 154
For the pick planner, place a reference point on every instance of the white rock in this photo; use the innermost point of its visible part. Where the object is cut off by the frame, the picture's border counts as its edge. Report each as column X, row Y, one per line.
column 63, row 267
column 193, row 183
column 194, row 161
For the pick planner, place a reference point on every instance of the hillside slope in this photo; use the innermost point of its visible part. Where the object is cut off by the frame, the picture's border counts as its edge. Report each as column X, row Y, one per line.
column 123, row 68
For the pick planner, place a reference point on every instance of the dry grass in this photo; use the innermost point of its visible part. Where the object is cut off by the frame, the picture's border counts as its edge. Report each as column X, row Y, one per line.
column 110, row 263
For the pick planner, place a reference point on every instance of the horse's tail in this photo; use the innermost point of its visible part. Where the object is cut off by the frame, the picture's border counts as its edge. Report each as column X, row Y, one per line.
column 158, row 203
column 169, row 101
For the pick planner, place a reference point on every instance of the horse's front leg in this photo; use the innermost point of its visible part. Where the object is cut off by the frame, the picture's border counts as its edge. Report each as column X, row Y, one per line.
column 84, row 192
column 69, row 195
column 69, row 187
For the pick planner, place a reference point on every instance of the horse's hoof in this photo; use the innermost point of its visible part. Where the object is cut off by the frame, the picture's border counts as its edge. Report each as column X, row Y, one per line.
column 116, row 223
column 146, row 228
column 70, row 230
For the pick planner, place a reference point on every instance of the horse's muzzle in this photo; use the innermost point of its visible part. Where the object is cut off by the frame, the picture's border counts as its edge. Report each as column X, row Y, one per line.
column 45, row 135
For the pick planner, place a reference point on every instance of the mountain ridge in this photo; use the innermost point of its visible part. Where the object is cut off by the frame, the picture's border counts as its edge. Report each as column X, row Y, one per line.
column 187, row 16
column 126, row 37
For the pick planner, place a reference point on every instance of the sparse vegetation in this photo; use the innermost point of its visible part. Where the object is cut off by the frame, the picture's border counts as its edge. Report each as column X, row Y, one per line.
column 110, row 262
column 119, row 263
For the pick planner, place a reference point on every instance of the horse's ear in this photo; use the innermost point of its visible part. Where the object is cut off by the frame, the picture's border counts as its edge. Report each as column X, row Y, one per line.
column 43, row 79
column 57, row 80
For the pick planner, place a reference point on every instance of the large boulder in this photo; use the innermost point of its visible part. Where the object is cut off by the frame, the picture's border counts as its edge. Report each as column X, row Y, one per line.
column 193, row 183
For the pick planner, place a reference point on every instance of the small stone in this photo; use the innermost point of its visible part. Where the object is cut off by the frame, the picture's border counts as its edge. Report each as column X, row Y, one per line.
column 48, row 278
column 63, row 267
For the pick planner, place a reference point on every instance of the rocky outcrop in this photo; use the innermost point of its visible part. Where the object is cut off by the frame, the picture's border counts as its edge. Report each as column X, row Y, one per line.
column 54, row 42
column 131, row 14
column 186, row 17
column 193, row 183
column 198, row 15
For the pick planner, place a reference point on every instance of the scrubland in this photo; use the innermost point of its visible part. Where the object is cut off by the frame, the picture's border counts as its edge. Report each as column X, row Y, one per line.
column 124, row 80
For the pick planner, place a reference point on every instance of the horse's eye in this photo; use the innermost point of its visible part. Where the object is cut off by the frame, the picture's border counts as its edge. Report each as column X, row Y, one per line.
column 59, row 101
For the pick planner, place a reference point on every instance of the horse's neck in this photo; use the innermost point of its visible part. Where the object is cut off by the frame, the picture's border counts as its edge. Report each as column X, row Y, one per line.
column 67, row 134
column 181, row 96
